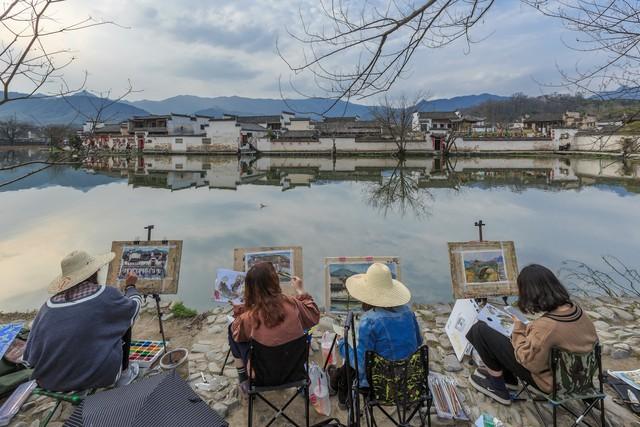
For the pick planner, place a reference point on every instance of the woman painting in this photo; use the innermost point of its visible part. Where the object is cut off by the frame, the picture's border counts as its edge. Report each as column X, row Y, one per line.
column 387, row 327
column 526, row 355
column 268, row 316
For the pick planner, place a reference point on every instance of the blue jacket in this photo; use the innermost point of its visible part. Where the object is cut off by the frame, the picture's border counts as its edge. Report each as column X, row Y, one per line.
column 392, row 333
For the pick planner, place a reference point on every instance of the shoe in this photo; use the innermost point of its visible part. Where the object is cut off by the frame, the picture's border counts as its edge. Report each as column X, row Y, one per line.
column 513, row 386
column 492, row 387
column 128, row 376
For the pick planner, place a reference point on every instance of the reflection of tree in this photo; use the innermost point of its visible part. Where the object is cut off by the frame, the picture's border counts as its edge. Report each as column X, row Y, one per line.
column 400, row 192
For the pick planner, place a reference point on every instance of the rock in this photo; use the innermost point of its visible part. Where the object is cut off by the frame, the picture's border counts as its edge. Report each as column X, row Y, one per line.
column 167, row 316
column 606, row 313
column 444, row 342
column 600, row 325
column 604, row 335
column 211, row 320
column 213, row 367
column 426, row 315
column 211, row 356
column 35, row 423
column 451, row 363
column 215, row 330
column 222, row 320
column 232, row 403
column 430, row 338
column 593, row 315
column 624, row 315
column 196, row 357
column 165, row 304
column 441, row 309
column 27, row 406
column 441, row 321
column 174, row 303
column 621, row 351
column 221, row 409
column 20, row 423
column 201, row 348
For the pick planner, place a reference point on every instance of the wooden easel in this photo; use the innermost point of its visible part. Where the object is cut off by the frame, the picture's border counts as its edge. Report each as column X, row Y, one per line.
column 483, row 301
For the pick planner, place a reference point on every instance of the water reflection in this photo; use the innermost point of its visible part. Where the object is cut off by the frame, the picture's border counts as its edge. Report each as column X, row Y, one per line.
column 553, row 208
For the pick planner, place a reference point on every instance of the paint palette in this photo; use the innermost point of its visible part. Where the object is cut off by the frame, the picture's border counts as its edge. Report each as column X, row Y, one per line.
column 145, row 353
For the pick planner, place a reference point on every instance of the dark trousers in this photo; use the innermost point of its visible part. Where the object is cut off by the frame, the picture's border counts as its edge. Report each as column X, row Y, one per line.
column 496, row 351
column 126, row 346
column 240, row 350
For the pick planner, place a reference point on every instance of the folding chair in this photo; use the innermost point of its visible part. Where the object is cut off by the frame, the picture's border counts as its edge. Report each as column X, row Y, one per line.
column 403, row 384
column 573, row 381
column 277, row 368
column 74, row 398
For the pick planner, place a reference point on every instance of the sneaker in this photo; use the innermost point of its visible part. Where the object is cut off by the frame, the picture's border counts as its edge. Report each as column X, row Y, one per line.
column 128, row 376
column 492, row 387
column 513, row 386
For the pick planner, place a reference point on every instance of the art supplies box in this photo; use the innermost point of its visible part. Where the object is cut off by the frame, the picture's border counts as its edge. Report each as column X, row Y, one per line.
column 145, row 352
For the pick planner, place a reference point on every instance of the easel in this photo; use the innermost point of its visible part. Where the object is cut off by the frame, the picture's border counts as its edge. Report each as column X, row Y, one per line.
column 481, row 224
column 155, row 296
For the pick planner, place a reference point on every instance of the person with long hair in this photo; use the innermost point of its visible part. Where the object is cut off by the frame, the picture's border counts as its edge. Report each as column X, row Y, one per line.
column 526, row 355
column 268, row 316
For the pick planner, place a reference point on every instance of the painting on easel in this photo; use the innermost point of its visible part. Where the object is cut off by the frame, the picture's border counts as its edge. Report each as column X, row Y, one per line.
column 156, row 263
column 339, row 269
column 483, row 269
column 287, row 260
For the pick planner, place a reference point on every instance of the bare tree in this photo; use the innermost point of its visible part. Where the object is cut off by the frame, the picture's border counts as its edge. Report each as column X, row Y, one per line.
column 11, row 130
column 58, row 134
column 616, row 280
column 395, row 117
column 400, row 191
column 26, row 59
column 379, row 39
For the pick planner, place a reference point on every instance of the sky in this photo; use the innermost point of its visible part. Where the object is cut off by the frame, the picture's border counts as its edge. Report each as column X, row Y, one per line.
column 221, row 48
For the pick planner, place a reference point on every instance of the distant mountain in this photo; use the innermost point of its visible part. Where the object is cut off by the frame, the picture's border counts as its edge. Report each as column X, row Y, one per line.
column 458, row 102
column 42, row 110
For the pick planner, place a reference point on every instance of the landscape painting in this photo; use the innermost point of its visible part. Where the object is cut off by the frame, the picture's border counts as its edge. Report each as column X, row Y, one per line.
column 287, row 260
column 229, row 286
column 282, row 261
column 338, row 270
column 156, row 263
column 483, row 269
column 484, row 266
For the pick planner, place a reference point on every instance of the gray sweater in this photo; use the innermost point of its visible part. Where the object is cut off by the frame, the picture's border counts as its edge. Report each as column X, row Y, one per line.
column 78, row 345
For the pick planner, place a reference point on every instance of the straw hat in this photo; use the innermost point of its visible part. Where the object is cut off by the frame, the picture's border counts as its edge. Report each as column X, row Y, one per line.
column 376, row 287
column 77, row 267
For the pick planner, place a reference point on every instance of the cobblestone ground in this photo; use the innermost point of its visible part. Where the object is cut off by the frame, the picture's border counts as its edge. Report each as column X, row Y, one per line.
column 617, row 322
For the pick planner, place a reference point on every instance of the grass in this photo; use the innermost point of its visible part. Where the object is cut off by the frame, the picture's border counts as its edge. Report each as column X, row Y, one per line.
column 180, row 311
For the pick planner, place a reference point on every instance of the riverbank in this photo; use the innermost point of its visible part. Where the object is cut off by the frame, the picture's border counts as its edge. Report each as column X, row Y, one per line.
column 205, row 336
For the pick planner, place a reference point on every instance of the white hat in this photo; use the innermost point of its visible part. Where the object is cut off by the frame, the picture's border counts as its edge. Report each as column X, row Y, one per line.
column 77, row 267
column 377, row 288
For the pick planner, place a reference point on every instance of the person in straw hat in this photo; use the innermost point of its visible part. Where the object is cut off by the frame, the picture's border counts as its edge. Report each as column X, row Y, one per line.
column 80, row 337
column 387, row 326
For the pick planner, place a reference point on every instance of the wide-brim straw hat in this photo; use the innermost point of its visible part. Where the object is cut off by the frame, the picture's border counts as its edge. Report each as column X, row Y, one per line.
column 77, row 267
column 378, row 288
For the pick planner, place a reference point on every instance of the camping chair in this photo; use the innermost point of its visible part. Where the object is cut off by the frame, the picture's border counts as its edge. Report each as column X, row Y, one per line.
column 278, row 368
column 573, row 381
column 74, row 398
column 403, row 384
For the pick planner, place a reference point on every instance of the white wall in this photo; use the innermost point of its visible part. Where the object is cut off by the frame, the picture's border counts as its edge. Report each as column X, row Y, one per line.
column 189, row 144
column 343, row 145
column 300, row 125
column 492, row 145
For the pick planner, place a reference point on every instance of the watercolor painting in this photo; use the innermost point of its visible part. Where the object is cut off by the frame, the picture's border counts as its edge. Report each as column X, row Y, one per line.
column 497, row 319
column 229, row 286
column 156, row 263
column 338, row 270
column 282, row 261
column 483, row 269
column 484, row 266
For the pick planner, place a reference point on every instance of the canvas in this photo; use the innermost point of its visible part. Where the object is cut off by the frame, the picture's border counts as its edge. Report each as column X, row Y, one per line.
column 483, row 269
column 339, row 269
column 497, row 318
column 461, row 319
column 229, row 286
column 8, row 333
column 156, row 263
column 287, row 261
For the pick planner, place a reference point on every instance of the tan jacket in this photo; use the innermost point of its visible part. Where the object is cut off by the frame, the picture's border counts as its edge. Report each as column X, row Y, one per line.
column 567, row 327
column 301, row 313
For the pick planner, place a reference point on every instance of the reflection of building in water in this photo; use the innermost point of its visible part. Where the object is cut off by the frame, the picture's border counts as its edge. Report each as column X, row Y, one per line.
column 183, row 171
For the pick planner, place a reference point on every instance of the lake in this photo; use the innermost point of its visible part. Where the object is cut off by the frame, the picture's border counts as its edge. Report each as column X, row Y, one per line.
column 553, row 208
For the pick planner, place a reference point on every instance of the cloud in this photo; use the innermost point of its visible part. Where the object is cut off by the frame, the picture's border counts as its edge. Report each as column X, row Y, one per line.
column 215, row 69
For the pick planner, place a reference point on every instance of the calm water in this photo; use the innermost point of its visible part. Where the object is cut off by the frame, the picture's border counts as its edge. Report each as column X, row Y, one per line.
column 553, row 208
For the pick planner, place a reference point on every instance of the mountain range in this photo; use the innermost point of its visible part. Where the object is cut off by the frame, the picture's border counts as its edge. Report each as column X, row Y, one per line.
column 56, row 110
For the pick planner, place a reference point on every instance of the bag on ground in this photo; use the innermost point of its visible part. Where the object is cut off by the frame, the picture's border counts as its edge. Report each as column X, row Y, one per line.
column 319, row 390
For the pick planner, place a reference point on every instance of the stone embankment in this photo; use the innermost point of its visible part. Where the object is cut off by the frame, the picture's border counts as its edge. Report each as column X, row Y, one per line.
column 617, row 322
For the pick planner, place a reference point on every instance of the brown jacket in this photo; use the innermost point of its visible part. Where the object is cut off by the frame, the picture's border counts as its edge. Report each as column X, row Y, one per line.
column 301, row 313
column 566, row 327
